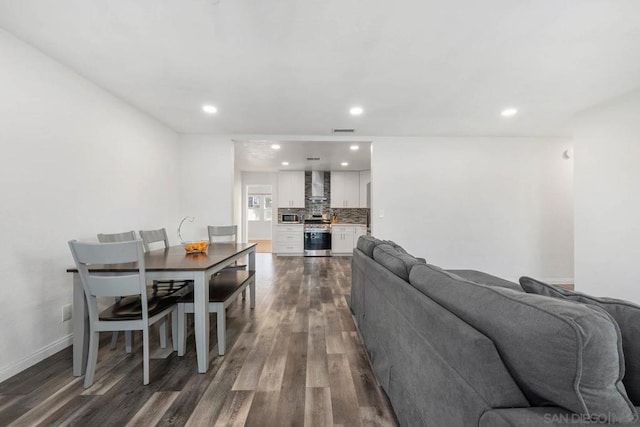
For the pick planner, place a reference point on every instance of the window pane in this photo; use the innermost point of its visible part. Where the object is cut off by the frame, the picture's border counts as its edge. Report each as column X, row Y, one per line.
column 253, row 214
column 254, row 202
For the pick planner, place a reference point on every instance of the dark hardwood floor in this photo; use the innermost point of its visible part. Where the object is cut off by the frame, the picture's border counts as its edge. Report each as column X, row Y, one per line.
column 295, row 360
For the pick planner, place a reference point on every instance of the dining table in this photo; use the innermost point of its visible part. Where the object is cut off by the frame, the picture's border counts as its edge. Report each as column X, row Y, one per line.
column 172, row 263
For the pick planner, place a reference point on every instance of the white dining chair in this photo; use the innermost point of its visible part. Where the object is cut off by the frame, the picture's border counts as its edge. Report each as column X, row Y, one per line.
column 225, row 234
column 126, row 236
column 158, row 238
column 133, row 312
column 153, row 290
column 149, row 237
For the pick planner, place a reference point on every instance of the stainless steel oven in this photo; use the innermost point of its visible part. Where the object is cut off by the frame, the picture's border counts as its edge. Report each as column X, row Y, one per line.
column 317, row 239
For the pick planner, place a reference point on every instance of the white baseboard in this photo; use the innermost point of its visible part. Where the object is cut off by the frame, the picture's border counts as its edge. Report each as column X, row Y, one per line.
column 559, row 281
column 7, row 372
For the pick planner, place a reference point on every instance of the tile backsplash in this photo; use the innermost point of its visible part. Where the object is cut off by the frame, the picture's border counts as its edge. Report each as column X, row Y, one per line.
column 351, row 215
column 301, row 212
column 345, row 215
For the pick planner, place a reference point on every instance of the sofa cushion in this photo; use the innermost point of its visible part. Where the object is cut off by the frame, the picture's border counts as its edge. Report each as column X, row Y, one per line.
column 367, row 243
column 394, row 260
column 395, row 246
column 558, row 352
column 626, row 314
column 486, row 279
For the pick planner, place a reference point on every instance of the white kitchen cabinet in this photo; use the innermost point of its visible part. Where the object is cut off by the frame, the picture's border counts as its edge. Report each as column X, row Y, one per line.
column 344, row 238
column 289, row 239
column 341, row 239
column 358, row 230
column 345, row 189
column 365, row 178
column 291, row 189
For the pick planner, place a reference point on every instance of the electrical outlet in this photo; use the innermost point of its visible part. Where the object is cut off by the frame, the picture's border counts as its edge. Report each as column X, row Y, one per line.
column 66, row 312
column 381, row 214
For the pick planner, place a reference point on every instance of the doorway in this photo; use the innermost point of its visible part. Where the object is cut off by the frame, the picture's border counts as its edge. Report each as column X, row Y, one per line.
column 259, row 205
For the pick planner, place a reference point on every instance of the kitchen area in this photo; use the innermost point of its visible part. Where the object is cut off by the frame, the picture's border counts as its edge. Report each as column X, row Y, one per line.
column 321, row 213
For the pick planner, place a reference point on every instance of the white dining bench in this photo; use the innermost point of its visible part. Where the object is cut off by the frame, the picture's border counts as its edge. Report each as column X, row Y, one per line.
column 224, row 288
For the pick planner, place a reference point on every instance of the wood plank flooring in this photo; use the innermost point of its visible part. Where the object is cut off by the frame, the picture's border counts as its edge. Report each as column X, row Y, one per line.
column 262, row 246
column 295, row 360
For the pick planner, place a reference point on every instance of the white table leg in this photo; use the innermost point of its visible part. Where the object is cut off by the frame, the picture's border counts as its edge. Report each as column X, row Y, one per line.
column 222, row 328
column 80, row 328
column 201, row 320
column 252, row 260
column 252, row 286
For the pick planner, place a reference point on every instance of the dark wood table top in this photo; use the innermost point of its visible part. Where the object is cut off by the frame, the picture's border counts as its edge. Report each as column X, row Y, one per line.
column 175, row 258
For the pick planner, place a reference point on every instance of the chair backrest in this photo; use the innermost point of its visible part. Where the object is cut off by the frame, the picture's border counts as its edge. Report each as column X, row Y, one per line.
column 154, row 236
column 127, row 236
column 97, row 284
column 224, row 233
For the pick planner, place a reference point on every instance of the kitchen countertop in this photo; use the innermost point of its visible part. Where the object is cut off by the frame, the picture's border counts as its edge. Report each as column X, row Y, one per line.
column 339, row 223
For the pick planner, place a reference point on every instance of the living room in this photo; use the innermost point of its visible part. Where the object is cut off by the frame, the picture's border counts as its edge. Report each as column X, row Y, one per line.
column 549, row 193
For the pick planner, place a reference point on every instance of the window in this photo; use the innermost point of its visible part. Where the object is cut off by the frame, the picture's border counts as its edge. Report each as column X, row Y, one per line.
column 254, row 202
column 267, row 208
column 259, row 207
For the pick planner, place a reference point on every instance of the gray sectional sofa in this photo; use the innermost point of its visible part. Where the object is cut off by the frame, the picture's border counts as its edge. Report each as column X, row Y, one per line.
column 464, row 348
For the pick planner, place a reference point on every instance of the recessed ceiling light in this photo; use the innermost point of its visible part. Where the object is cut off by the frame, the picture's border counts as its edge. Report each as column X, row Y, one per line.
column 285, row 163
column 509, row 112
column 356, row 111
column 275, row 146
column 344, row 164
column 209, row 109
column 354, row 147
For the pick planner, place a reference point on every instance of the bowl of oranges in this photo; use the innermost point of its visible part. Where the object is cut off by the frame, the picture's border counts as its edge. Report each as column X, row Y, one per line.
column 196, row 247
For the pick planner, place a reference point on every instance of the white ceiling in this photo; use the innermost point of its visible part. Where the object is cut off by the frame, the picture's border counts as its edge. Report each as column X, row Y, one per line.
column 313, row 154
column 293, row 67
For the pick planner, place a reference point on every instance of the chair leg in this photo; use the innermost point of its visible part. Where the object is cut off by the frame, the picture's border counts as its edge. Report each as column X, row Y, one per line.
column 114, row 340
column 145, row 355
column 128, row 338
column 182, row 330
column 174, row 330
column 222, row 329
column 163, row 332
column 92, row 359
column 114, row 334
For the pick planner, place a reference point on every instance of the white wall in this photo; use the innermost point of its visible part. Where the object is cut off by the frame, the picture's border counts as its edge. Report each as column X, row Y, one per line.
column 607, row 199
column 207, row 183
column 76, row 161
column 499, row 205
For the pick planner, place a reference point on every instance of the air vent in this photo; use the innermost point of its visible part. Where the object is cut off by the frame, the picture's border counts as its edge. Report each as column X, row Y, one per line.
column 344, row 130
column 313, row 158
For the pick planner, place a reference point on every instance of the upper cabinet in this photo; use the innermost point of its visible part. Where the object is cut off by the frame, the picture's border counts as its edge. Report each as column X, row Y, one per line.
column 365, row 179
column 291, row 189
column 345, row 189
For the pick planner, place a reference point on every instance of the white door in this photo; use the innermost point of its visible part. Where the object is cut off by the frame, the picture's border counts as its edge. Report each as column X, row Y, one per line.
column 259, row 215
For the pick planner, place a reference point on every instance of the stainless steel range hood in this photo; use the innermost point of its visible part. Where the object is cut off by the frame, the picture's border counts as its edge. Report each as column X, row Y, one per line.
column 317, row 186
